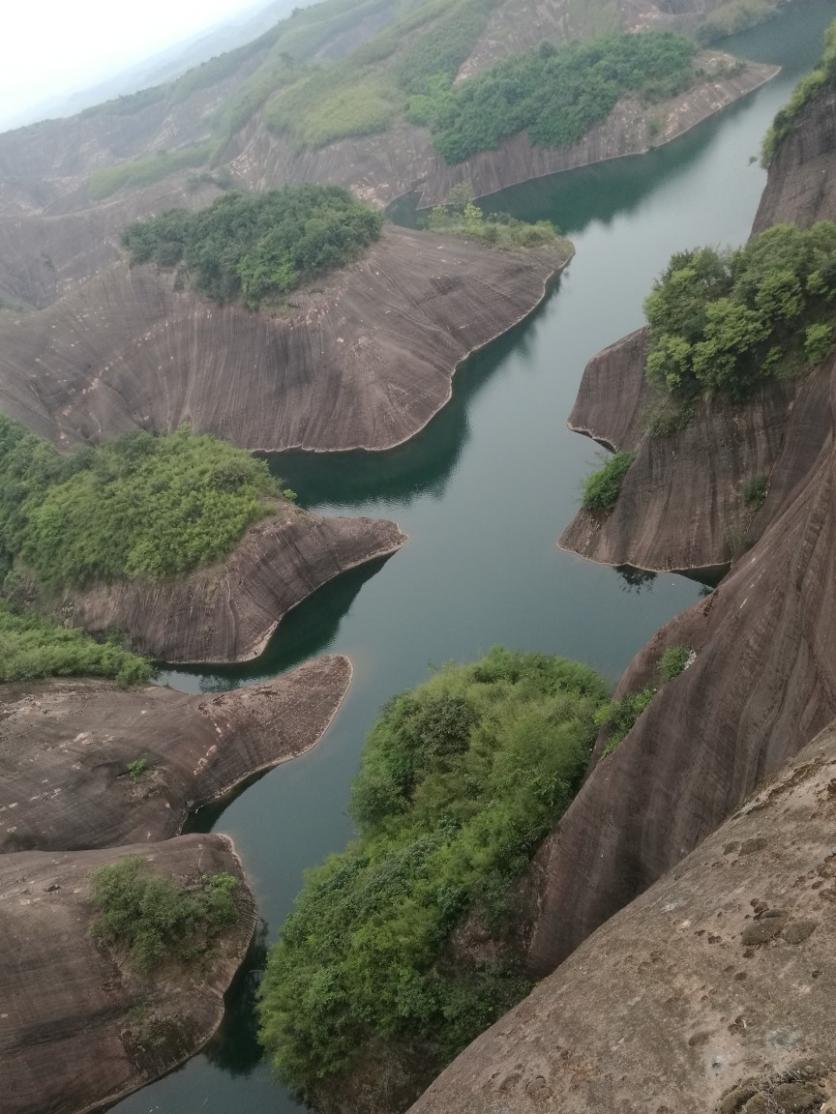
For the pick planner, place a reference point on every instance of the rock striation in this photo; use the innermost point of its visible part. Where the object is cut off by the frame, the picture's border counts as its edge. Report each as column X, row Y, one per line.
column 363, row 360
column 228, row 612
column 711, row 992
column 78, row 1028
column 66, row 749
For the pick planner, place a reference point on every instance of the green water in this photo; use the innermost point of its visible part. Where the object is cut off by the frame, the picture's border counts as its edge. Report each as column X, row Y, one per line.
column 483, row 494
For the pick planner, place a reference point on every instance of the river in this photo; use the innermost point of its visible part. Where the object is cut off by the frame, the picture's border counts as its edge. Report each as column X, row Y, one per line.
column 482, row 494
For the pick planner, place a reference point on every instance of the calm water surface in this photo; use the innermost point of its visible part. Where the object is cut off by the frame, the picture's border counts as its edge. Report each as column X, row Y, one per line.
column 483, row 494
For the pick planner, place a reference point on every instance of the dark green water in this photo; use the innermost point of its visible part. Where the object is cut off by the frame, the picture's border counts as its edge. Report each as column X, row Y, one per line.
column 483, row 494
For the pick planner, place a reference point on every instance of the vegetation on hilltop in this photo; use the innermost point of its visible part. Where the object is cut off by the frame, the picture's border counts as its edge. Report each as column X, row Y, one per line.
column 822, row 77
column 555, row 93
column 729, row 321
column 461, row 780
column 733, row 16
column 255, row 247
column 34, row 647
column 154, row 919
column 142, row 506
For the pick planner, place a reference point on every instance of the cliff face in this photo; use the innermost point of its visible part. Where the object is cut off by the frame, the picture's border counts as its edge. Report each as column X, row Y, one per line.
column 227, row 612
column 78, row 1027
column 712, row 992
column 362, row 360
column 762, row 683
column 66, row 747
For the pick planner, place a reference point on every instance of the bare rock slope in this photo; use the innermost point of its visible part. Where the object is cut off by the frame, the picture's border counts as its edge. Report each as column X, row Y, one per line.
column 710, row 993
column 363, row 360
column 77, row 1027
column 66, row 749
column 228, row 612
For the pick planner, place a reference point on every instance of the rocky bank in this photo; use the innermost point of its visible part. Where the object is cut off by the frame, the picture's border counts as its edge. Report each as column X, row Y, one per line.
column 67, row 749
column 77, row 1027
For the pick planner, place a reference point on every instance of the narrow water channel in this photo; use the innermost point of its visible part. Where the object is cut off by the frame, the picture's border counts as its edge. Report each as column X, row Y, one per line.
column 483, row 494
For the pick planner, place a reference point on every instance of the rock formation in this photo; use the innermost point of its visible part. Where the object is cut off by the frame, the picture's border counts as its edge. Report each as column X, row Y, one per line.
column 78, row 1028
column 712, row 992
column 228, row 612
column 363, row 360
column 762, row 682
column 85, row 764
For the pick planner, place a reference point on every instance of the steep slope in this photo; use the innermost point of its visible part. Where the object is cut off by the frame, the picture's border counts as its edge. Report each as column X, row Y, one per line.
column 86, row 764
column 363, row 359
column 711, row 992
column 762, row 682
column 79, row 1027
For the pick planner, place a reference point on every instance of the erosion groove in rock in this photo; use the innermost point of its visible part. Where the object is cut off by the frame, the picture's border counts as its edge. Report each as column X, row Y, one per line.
column 85, row 764
column 79, row 1028
column 713, row 987
column 227, row 613
column 362, row 360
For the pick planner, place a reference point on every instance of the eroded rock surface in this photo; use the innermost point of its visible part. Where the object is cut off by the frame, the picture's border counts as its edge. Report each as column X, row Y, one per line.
column 710, row 993
column 78, row 1028
column 362, row 360
column 86, row 764
column 228, row 612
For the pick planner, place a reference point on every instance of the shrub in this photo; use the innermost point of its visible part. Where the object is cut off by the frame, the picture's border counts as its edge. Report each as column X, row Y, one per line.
column 674, row 660
column 34, row 647
column 619, row 716
column 498, row 230
column 153, row 919
column 137, row 769
column 142, row 506
column 602, row 488
column 727, row 322
column 257, row 247
column 461, row 779
column 822, row 77
column 754, row 492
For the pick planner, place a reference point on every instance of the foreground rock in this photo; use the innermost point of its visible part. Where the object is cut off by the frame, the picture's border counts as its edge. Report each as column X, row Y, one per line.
column 363, row 360
column 228, row 612
column 711, row 992
column 78, row 1028
column 85, row 764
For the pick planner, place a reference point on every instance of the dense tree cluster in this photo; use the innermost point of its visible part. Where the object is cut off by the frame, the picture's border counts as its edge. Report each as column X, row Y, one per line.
column 142, row 506
column 461, row 780
column 153, row 919
column 556, row 93
column 729, row 321
column 255, row 247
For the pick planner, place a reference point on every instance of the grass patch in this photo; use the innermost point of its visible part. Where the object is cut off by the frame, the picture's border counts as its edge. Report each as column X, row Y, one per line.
column 460, row 781
column 727, row 322
column 602, row 488
column 142, row 506
column 146, row 171
column 34, row 647
column 254, row 247
column 153, row 919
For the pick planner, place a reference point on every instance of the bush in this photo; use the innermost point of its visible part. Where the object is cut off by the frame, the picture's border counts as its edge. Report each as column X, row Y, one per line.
column 460, row 781
column 754, row 492
column 674, row 660
column 822, row 77
column 619, row 716
column 153, row 919
column 258, row 247
column 728, row 322
column 34, row 647
column 463, row 218
column 142, row 506
column 557, row 95
column 602, row 488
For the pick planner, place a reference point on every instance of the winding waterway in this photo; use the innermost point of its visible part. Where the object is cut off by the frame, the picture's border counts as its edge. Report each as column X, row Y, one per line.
column 482, row 493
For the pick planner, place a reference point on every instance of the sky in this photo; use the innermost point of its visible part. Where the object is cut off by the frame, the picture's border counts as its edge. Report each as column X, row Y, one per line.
column 49, row 47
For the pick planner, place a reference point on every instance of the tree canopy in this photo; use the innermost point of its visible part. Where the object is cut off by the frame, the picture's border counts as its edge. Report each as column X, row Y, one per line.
column 255, row 247
column 728, row 321
column 461, row 779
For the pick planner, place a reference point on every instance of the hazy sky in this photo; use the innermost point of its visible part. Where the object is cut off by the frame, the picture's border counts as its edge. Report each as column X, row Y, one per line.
column 53, row 46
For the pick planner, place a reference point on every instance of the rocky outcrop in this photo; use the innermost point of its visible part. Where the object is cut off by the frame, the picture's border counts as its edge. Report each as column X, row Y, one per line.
column 363, row 359
column 78, row 1027
column 228, row 612
column 712, row 992
column 802, row 185
column 67, row 749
